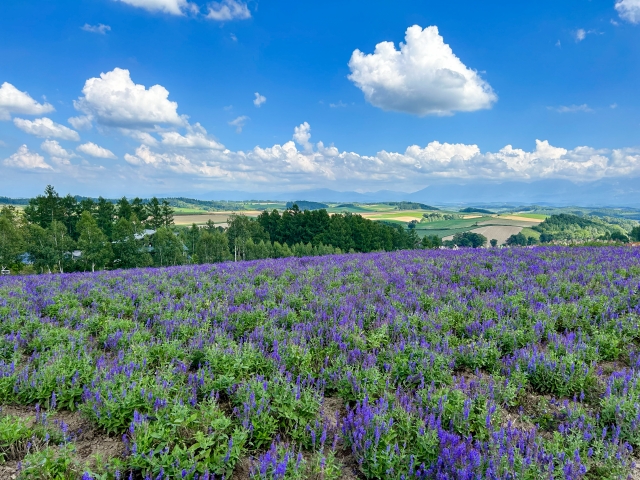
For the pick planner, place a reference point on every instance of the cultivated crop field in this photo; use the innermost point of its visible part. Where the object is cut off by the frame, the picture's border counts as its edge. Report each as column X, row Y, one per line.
column 517, row 363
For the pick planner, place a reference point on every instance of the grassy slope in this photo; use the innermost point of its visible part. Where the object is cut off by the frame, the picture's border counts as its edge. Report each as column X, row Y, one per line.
column 528, row 232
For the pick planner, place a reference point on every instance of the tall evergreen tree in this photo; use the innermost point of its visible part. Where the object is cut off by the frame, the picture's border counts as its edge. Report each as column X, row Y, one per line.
column 105, row 216
column 167, row 214
column 124, row 208
column 139, row 209
column 44, row 209
column 155, row 218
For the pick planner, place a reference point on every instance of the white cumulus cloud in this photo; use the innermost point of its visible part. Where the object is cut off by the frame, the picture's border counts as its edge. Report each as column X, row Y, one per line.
column 94, row 150
column 196, row 137
column 302, row 134
column 259, row 100
column 100, row 28
column 54, row 149
column 114, row 100
column 239, row 123
column 629, row 10
column 59, row 155
column 173, row 7
column 83, row 122
column 13, row 100
column 46, row 128
column 423, row 77
column 24, row 159
column 314, row 164
column 228, row 10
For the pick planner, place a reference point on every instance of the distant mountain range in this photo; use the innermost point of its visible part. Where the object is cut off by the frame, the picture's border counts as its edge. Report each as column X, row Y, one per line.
column 607, row 192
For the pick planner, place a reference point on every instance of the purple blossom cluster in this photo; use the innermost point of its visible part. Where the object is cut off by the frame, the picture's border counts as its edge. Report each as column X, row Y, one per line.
column 519, row 363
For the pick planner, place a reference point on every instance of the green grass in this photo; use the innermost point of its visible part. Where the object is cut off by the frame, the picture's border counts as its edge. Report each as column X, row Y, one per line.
column 442, row 233
column 529, row 232
column 453, row 224
column 417, row 214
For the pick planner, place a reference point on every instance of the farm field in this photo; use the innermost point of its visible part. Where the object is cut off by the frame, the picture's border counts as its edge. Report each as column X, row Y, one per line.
column 498, row 227
column 533, row 216
column 422, row 364
column 219, row 218
column 444, row 228
column 499, row 232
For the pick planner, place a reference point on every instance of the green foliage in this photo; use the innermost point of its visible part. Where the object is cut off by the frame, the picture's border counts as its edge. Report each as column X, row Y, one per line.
column 167, row 248
column 202, row 440
column 431, row 241
column 568, row 227
column 50, row 463
column 128, row 251
column 476, row 210
column 93, row 243
column 212, row 247
column 469, row 239
column 398, row 442
column 306, row 205
column 11, row 238
column 267, row 407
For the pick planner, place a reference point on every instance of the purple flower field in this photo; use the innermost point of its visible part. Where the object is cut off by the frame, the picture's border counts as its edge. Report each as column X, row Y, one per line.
column 470, row 364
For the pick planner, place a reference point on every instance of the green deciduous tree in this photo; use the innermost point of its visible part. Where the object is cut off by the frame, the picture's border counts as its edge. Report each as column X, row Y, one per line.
column 431, row 241
column 212, row 247
column 517, row 240
column 190, row 238
column 128, row 252
column 239, row 232
column 93, row 243
column 469, row 239
column 49, row 248
column 618, row 236
column 635, row 234
column 11, row 238
column 167, row 248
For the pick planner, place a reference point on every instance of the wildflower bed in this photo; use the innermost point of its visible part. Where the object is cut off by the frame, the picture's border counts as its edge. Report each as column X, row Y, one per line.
column 519, row 363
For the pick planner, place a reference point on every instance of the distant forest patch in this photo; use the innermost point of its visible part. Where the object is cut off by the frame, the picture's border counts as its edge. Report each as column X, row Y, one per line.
column 305, row 205
column 476, row 210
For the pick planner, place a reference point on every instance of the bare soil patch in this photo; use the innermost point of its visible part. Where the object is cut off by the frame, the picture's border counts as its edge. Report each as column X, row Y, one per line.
column 90, row 443
column 216, row 217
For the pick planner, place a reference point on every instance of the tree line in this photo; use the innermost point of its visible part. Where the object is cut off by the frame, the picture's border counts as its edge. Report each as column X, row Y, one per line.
column 62, row 234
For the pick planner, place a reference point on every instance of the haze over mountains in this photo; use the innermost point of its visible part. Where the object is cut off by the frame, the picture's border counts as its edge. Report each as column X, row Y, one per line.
column 608, row 192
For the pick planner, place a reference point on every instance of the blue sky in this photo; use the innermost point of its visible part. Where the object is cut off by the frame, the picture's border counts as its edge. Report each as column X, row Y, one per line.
column 112, row 97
